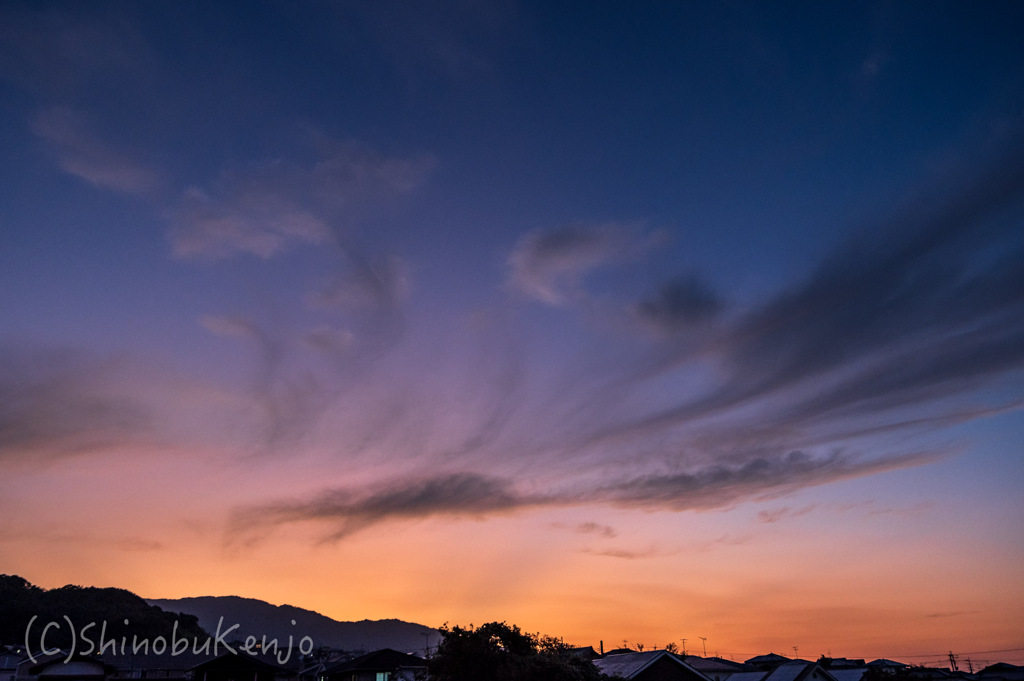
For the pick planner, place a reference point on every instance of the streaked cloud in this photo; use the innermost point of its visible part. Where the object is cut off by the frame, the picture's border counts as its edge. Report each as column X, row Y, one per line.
column 53, row 535
column 468, row 494
column 346, row 511
column 57, row 402
column 814, row 385
column 720, row 486
column 927, row 306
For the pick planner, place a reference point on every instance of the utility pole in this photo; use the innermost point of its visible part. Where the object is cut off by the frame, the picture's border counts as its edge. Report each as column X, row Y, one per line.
column 684, row 646
column 952, row 662
column 704, row 643
column 796, row 653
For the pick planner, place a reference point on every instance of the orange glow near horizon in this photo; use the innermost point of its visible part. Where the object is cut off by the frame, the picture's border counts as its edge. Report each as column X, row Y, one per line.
column 633, row 321
column 585, row 574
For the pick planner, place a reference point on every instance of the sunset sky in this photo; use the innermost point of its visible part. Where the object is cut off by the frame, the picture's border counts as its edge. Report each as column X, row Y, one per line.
column 616, row 321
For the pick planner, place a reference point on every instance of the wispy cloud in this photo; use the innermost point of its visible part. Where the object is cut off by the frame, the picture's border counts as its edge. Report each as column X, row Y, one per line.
column 680, row 304
column 364, row 282
column 550, row 265
column 596, row 528
column 62, row 53
column 627, row 554
column 80, row 152
column 916, row 509
column 814, row 385
column 287, row 401
column 774, row 515
column 263, row 209
column 955, row 613
column 248, row 220
column 460, row 43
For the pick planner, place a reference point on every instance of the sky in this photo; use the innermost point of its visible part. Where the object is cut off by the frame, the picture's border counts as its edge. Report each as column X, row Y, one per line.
column 621, row 322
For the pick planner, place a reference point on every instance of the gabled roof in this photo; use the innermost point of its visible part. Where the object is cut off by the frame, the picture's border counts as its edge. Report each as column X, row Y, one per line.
column 769, row 661
column 799, row 670
column 845, row 663
column 1002, row 671
column 382, row 660
column 628, row 665
column 882, row 662
column 999, row 667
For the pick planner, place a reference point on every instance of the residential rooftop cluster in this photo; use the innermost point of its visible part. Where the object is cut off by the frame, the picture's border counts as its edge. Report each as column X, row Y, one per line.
column 392, row 665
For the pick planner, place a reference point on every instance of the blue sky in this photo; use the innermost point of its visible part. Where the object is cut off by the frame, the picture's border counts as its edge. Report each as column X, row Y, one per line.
column 335, row 271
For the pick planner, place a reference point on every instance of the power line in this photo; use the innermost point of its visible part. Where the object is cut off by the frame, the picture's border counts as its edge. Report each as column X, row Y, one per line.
column 977, row 652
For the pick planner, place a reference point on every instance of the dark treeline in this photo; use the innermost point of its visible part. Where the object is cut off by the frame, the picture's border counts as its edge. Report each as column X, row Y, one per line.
column 505, row 653
column 20, row 601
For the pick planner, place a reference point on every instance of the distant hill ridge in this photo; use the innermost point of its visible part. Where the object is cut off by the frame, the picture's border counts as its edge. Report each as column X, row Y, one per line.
column 259, row 618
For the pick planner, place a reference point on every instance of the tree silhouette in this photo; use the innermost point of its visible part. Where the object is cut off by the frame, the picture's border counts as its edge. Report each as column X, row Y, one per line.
column 501, row 652
column 20, row 601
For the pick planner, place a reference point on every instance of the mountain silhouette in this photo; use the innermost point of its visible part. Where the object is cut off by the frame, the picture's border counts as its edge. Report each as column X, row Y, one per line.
column 258, row 618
